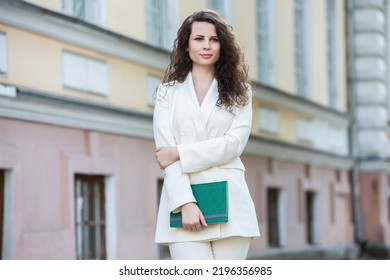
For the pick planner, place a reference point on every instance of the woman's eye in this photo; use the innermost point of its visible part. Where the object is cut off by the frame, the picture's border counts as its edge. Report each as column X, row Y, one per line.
column 198, row 39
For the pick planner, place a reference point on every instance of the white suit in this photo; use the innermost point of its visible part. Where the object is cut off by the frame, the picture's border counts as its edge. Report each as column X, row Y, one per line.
column 210, row 141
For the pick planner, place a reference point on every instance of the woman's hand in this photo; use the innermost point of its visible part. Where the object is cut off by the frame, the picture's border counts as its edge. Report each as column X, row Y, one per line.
column 166, row 156
column 192, row 217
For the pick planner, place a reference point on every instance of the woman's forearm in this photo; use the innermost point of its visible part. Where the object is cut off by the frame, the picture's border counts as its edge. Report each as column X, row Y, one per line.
column 166, row 156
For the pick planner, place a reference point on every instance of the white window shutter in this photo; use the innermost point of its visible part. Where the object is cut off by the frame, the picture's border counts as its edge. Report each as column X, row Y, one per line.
column 301, row 49
column 154, row 28
column 67, row 7
column 268, row 120
column 97, row 76
column 74, row 71
column 265, row 32
column 149, row 21
column 304, row 129
column 3, row 53
column 171, row 21
column 91, row 11
column 333, row 73
column 85, row 74
column 94, row 11
column 223, row 7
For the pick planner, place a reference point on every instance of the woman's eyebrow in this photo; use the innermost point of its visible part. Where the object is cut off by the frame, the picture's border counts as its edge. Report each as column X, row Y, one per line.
column 199, row 35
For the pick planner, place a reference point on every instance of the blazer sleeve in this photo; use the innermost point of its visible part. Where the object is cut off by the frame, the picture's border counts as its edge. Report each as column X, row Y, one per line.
column 176, row 183
column 198, row 156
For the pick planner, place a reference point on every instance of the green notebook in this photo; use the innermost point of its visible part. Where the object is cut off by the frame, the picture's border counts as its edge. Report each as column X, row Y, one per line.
column 212, row 200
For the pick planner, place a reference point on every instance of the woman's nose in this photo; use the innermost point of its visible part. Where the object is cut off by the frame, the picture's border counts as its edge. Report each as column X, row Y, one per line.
column 206, row 44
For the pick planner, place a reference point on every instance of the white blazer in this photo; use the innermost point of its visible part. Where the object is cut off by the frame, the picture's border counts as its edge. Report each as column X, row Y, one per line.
column 210, row 141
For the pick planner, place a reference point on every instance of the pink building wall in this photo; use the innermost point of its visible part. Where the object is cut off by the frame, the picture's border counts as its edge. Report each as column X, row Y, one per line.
column 335, row 225
column 375, row 196
column 43, row 160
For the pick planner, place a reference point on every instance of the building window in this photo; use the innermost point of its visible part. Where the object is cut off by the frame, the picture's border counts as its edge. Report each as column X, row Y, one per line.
column 301, row 49
column 265, row 31
column 332, row 32
column 304, row 129
column 223, row 7
column 90, row 217
column 153, row 83
column 2, row 187
column 85, row 74
column 3, row 53
column 310, row 216
column 162, row 22
column 92, row 11
column 268, row 120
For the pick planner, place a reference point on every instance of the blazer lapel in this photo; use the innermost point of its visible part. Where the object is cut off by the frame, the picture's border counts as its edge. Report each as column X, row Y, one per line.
column 193, row 106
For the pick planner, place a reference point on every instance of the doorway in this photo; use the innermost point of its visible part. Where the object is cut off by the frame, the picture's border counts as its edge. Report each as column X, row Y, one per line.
column 273, row 217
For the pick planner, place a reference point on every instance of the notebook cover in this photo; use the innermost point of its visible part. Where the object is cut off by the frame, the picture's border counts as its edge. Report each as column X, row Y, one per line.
column 212, row 200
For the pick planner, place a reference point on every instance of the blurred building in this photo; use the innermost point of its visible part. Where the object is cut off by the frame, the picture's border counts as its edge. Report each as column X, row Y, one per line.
column 78, row 177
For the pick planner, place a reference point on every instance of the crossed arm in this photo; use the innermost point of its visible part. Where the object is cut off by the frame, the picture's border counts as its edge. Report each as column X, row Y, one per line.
column 192, row 217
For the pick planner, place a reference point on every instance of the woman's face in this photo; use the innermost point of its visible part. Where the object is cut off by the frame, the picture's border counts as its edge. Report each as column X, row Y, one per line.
column 203, row 45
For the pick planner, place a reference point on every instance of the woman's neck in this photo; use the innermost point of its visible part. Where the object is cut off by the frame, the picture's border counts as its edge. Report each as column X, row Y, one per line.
column 203, row 75
column 202, row 79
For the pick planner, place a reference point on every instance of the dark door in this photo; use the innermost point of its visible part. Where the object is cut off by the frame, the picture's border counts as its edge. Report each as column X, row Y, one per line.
column 309, row 199
column 273, row 217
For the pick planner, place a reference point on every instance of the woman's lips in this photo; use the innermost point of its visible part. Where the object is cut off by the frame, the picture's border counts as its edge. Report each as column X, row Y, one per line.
column 206, row 56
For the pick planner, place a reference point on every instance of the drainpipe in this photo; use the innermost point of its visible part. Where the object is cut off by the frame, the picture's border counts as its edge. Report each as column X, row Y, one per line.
column 353, row 141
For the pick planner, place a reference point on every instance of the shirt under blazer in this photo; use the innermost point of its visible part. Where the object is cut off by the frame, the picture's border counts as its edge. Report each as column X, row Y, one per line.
column 210, row 140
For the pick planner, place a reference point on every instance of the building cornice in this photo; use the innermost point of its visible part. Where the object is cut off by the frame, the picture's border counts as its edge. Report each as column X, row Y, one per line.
column 29, row 17
column 297, row 104
column 34, row 106
column 291, row 152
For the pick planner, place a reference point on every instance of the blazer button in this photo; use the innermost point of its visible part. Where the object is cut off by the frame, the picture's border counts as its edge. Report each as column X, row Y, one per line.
column 183, row 133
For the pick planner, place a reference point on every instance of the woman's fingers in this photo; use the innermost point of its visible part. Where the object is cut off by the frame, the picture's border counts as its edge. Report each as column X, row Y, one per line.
column 193, row 219
column 193, row 227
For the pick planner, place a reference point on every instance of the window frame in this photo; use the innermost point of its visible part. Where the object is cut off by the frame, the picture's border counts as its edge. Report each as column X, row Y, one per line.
column 302, row 48
column 304, row 130
column 223, row 7
column 333, row 54
column 84, row 246
column 86, row 83
column 97, row 18
column 162, row 22
column 265, row 39
column 3, row 53
column 268, row 120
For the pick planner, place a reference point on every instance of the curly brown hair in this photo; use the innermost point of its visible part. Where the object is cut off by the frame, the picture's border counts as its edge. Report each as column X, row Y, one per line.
column 231, row 72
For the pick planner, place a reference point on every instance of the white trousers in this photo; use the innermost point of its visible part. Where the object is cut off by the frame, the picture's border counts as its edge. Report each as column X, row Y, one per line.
column 230, row 248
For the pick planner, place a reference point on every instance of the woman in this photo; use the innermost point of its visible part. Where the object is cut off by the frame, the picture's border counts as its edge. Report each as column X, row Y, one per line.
column 202, row 121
